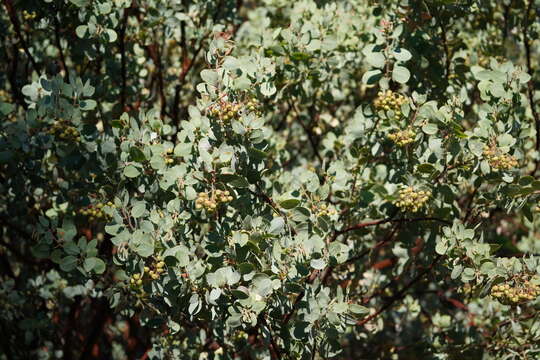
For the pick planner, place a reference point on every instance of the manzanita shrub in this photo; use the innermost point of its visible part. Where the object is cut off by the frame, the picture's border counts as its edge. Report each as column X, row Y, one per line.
column 273, row 179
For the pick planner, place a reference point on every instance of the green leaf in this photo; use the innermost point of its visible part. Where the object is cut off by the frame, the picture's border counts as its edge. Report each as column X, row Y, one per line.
column 400, row 74
column 111, row 34
column 180, row 253
column 536, row 185
column 137, row 155
column 430, row 129
column 158, row 162
column 210, row 77
column 476, row 147
column 79, row 3
column 234, row 180
column 456, row 271
column 81, row 31
column 71, row 248
column 300, row 331
column 138, row 209
column 376, row 59
column 372, row 76
column 68, row 230
column 268, row 89
column 401, row 54
column 145, row 247
column 468, row 274
column 88, row 104
column 441, row 247
column 338, row 250
column 526, row 180
column 239, row 294
column 94, row 264
column 89, row 264
column 183, row 149
column 425, row 168
column 506, row 140
column 358, row 309
column 317, row 264
column 246, row 268
column 68, row 263
column 276, row 225
column 6, row 108
column 257, row 154
column 112, row 229
column 289, row 203
column 487, row 267
column 131, row 171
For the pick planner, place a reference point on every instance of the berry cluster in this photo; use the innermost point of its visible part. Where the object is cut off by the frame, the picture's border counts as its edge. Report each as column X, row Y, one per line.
column 515, row 293
column 61, row 129
column 411, row 200
column 96, row 211
column 227, row 111
column 156, row 270
column 4, row 96
column 152, row 272
column 136, row 280
column 402, row 137
column 29, row 15
column 211, row 202
column 174, row 71
column 390, row 101
column 168, row 158
column 253, row 105
column 499, row 161
column 323, row 209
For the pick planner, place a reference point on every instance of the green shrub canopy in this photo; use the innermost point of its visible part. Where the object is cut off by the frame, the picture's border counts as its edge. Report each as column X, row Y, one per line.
column 273, row 179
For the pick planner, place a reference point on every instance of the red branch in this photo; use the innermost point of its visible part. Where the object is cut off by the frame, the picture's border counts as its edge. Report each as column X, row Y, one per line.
column 384, row 221
column 17, row 26
column 400, row 293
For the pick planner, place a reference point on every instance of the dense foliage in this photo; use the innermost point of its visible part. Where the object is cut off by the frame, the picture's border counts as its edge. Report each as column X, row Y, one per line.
column 273, row 179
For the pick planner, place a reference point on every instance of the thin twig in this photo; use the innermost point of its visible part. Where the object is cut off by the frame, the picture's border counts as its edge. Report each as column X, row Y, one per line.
column 25, row 235
column 101, row 315
column 299, row 298
column 530, row 86
column 187, row 63
column 384, row 221
column 15, row 22
column 446, row 49
column 309, row 134
column 12, row 77
column 59, row 45
column 469, row 206
column 122, row 45
column 387, row 239
column 274, row 348
column 400, row 293
column 289, row 315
